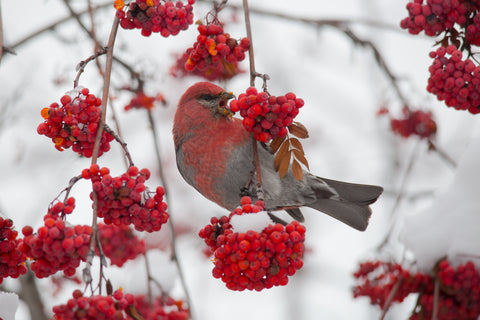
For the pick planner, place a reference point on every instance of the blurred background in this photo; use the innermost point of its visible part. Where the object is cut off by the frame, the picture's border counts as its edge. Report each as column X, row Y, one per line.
column 343, row 87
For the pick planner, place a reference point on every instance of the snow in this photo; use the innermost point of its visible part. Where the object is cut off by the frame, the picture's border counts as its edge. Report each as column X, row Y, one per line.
column 450, row 226
column 8, row 305
column 250, row 221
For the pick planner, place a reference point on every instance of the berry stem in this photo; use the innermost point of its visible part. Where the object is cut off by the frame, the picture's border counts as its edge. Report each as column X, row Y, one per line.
column 174, row 256
column 122, row 143
column 436, row 294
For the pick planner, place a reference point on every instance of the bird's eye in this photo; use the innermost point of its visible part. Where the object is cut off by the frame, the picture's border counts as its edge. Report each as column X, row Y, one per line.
column 207, row 97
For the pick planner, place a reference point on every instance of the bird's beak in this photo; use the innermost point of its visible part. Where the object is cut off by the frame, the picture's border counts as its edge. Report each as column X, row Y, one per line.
column 223, row 104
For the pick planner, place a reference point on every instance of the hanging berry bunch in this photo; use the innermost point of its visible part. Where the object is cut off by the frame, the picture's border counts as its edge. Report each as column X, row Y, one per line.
column 125, row 200
column 454, row 80
column 12, row 260
column 143, row 101
column 119, row 243
column 215, row 54
column 412, row 123
column 458, row 295
column 162, row 307
column 108, row 307
column 250, row 259
column 270, row 117
column 74, row 123
column 157, row 16
column 453, row 77
column 56, row 246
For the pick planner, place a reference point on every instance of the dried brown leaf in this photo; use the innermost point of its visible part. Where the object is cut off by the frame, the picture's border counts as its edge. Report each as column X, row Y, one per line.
column 133, row 312
column 296, row 144
column 109, row 287
column 276, row 143
column 300, row 156
column 297, row 170
column 284, row 164
column 298, row 130
column 281, row 153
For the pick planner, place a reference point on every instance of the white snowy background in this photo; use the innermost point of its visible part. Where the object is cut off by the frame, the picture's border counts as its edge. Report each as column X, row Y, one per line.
column 342, row 87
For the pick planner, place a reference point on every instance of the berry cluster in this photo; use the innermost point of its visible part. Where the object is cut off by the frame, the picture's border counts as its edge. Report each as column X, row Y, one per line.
column 266, row 116
column 158, row 16
column 74, row 123
column 142, row 101
column 437, row 16
column 161, row 308
column 126, row 200
column 110, row 307
column 12, row 260
column 254, row 260
column 378, row 279
column 454, row 80
column 215, row 54
column 418, row 122
column 56, row 246
column 119, row 243
column 458, row 295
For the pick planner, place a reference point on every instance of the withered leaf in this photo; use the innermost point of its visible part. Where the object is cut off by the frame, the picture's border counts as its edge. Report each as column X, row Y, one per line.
column 284, row 164
column 297, row 170
column 282, row 152
column 276, row 143
column 109, row 287
column 296, row 144
column 298, row 130
column 300, row 156
column 133, row 312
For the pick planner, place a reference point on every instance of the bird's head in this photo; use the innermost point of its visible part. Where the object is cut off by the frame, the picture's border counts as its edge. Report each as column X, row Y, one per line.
column 209, row 96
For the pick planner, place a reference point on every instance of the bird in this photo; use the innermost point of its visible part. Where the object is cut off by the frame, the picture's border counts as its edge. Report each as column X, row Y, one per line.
column 214, row 154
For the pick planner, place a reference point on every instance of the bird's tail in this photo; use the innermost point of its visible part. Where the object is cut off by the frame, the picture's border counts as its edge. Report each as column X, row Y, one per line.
column 351, row 203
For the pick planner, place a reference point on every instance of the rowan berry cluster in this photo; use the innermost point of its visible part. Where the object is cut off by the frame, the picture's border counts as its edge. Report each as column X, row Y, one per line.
column 56, row 246
column 109, row 307
column 119, row 243
column 125, row 200
column 161, row 308
column 436, row 16
column 157, row 16
column 12, row 260
column 215, row 54
column 454, row 80
column 266, row 116
column 74, row 123
column 418, row 122
column 254, row 260
column 142, row 101
column 458, row 294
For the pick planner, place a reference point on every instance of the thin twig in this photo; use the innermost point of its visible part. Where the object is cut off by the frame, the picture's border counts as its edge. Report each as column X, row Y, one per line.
column 82, row 64
column 96, row 147
column 251, row 55
column 442, row 154
column 1, row 33
column 390, row 297
column 174, row 257
column 400, row 195
column 52, row 26
column 256, row 163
